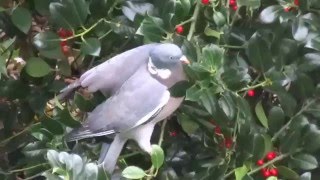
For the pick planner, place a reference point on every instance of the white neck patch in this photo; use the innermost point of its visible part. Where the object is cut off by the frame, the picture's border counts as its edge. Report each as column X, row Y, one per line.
column 162, row 73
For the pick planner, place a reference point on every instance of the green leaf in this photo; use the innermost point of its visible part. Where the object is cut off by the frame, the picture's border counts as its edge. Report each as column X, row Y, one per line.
column 220, row 20
column 305, row 161
column 250, row 3
column 287, row 173
column 42, row 6
column 290, row 142
column 227, row 104
column 259, row 53
column 270, row 14
column 157, row 156
column 91, row 46
column 212, row 57
column 312, row 139
column 240, row 172
column 151, row 28
column 133, row 172
column 258, row 146
column 82, row 103
column 310, row 62
column 276, row 118
column 235, row 78
column 64, row 68
column 65, row 118
column 53, row 126
column 188, row 125
column 3, row 66
column 182, row 8
column 299, row 30
column 288, row 103
column 69, row 14
column 313, row 43
column 211, row 32
column 37, row 67
column 22, row 19
column 261, row 115
column 47, row 40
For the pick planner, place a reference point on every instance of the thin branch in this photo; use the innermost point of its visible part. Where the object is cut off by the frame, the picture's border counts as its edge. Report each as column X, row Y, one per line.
column 194, row 17
column 152, row 169
column 28, row 168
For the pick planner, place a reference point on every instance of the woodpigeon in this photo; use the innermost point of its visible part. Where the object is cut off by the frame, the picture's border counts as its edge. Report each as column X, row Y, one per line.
column 139, row 82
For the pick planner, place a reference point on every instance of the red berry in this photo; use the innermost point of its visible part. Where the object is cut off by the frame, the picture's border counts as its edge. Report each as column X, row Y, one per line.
column 266, row 173
column 205, row 2
column 63, row 43
column 69, row 33
column 62, row 33
column 65, row 49
column 287, row 9
column 296, row 2
column 179, row 29
column 271, row 155
column 228, row 143
column 173, row 134
column 251, row 93
column 233, row 3
column 217, row 130
column 260, row 162
column 274, row 172
column 234, row 8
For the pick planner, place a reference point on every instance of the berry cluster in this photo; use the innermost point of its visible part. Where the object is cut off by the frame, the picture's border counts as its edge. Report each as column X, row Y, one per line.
column 233, row 5
column 267, row 172
column 64, row 33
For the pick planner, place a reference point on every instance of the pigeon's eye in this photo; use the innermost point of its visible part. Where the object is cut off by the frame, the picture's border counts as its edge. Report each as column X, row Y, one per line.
column 171, row 57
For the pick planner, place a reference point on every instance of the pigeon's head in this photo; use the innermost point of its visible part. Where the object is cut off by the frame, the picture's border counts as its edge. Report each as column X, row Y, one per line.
column 167, row 56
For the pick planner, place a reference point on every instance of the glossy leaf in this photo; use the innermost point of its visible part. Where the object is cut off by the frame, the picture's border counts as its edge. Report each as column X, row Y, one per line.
column 21, row 18
column 37, row 67
column 305, row 161
column 261, row 114
column 157, row 156
column 287, row 173
column 270, row 14
column 91, row 46
column 259, row 53
column 133, row 172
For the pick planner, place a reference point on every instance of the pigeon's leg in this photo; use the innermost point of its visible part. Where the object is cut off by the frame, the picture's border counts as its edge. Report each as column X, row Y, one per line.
column 104, row 150
column 142, row 136
column 110, row 160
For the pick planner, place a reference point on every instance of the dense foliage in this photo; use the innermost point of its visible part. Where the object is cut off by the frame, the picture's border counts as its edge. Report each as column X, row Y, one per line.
column 252, row 106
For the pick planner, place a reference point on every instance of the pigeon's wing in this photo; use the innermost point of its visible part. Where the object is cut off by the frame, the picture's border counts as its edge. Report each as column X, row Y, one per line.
column 110, row 75
column 139, row 100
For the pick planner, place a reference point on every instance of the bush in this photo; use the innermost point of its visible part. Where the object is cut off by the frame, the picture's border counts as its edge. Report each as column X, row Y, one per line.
column 251, row 109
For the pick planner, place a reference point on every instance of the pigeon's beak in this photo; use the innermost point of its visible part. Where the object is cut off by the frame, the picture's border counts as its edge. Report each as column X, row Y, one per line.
column 184, row 60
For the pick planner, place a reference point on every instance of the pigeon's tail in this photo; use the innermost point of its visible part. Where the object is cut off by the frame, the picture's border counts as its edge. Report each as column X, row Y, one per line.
column 110, row 153
column 68, row 90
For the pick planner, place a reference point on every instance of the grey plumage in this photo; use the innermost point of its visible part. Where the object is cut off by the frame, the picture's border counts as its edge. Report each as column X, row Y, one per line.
column 140, row 97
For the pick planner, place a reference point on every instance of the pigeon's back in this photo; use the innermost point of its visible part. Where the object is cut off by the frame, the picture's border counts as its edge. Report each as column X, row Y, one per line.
column 109, row 76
